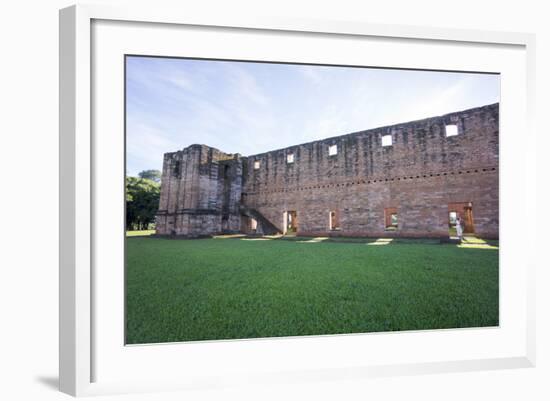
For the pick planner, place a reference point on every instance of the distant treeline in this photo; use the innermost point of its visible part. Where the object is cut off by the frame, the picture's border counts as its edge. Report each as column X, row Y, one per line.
column 142, row 200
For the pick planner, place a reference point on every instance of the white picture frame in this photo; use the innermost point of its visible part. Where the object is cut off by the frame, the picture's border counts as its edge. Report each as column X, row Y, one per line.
column 81, row 344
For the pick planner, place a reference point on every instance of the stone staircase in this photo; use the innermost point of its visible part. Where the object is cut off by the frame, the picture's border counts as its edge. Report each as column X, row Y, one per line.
column 264, row 225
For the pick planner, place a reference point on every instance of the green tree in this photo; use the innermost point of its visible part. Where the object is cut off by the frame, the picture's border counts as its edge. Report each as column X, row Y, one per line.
column 142, row 202
column 153, row 175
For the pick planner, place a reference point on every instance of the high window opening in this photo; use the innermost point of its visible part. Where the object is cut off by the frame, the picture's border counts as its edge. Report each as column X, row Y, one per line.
column 387, row 140
column 256, row 164
column 334, row 220
column 226, row 196
column 176, row 172
column 451, row 130
column 290, row 158
column 333, row 150
column 391, row 218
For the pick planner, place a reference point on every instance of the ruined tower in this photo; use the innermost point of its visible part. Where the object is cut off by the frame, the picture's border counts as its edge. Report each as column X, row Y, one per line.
column 200, row 192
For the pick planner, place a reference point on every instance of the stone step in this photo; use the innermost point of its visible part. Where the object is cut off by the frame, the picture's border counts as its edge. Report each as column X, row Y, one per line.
column 267, row 227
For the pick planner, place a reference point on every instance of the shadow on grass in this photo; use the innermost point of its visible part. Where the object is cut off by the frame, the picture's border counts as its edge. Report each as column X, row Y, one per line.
column 467, row 242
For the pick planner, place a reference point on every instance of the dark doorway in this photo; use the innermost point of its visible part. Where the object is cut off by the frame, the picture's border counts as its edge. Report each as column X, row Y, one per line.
column 464, row 211
column 291, row 222
column 334, row 220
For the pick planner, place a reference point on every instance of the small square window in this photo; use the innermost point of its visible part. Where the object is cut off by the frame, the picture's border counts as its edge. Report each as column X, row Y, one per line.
column 256, row 164
column 290, row 158
column 387, row 140
column 332, row 150
column 451, row 130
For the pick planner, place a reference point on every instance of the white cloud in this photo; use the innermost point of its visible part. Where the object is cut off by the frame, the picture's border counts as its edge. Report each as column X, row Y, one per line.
column 312, row 73
column 246, row 86
column 179, row 81
column 145, row 147
column 253, row 108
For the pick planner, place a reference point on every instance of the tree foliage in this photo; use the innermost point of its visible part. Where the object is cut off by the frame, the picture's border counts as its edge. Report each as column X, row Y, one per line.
column 142, row 201
column 153, row 175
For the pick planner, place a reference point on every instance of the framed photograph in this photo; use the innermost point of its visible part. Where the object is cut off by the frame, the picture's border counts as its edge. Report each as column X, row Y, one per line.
column 272, row 201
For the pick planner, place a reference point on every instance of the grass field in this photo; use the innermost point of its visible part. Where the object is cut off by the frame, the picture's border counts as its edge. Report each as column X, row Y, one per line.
column 182, row 290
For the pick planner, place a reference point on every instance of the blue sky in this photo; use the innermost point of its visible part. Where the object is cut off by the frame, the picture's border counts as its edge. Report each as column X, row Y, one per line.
column 251, row 108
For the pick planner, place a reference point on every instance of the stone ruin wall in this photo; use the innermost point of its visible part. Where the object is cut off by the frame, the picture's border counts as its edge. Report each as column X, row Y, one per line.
column 200, row 192
column 419, row 175
column 204, row 190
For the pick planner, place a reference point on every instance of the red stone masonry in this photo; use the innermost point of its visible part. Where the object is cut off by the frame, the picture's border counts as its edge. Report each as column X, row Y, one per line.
column 421, row 177
column 420, row 174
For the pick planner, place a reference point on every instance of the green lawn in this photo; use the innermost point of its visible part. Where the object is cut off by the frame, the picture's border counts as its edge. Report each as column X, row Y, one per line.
column 180, row 290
